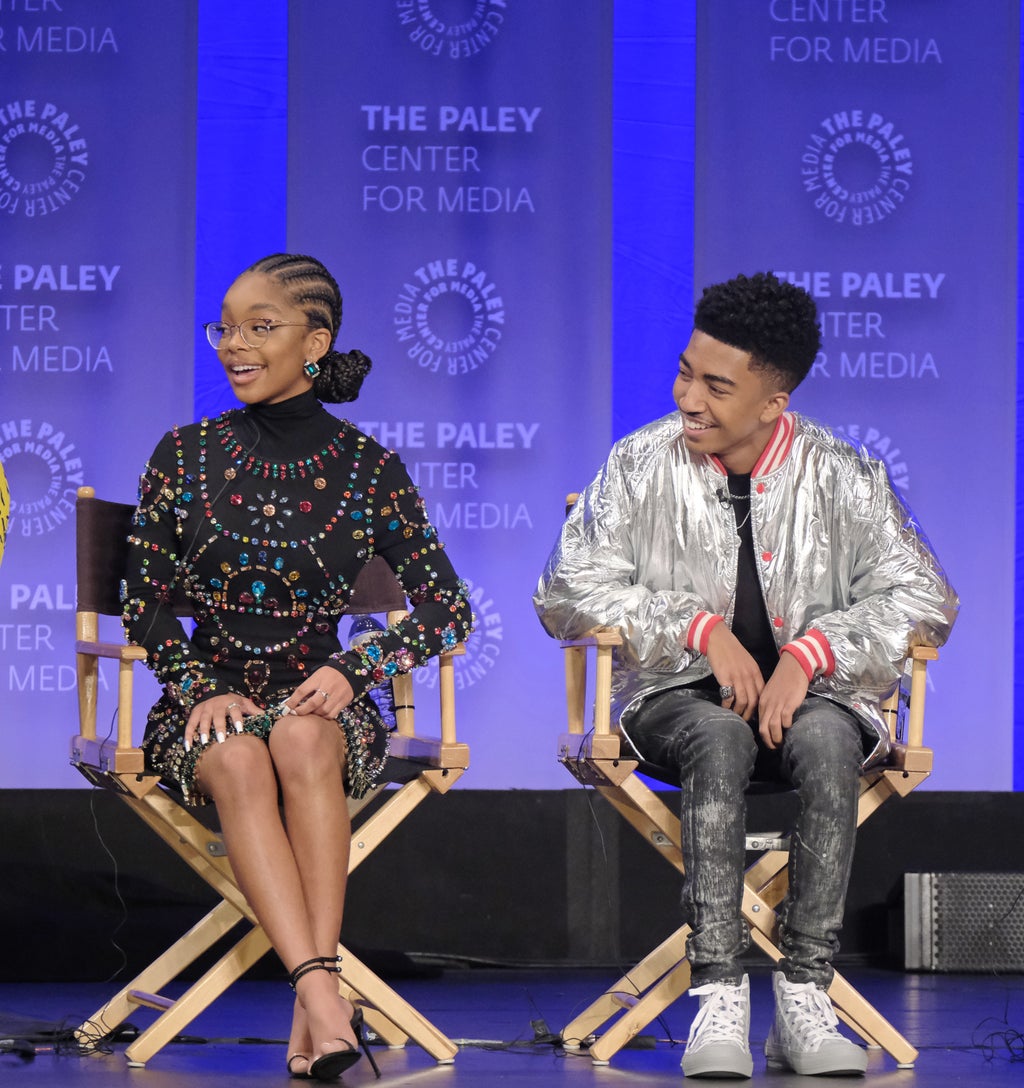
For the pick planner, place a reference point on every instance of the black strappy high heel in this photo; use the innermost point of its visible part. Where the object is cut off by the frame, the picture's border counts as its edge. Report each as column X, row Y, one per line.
column 330, row 1066
column 304, row 1075
column 357, row 1026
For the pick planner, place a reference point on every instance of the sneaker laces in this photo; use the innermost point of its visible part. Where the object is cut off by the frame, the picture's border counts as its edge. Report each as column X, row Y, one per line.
column 809, row 1015
column 722, row 1015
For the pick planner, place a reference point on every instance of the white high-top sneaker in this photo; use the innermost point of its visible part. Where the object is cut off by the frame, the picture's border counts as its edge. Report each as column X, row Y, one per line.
column 718, row 1045
column 804, row 1036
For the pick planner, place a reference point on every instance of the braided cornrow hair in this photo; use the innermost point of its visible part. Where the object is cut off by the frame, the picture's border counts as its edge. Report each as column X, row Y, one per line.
column 314, row 290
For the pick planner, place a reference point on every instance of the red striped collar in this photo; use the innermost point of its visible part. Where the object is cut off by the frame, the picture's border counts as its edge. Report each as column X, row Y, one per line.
column 774, row 454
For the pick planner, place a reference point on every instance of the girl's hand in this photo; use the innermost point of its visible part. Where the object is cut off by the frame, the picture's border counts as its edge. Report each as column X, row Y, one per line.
column 326, row 693
column 216, row 716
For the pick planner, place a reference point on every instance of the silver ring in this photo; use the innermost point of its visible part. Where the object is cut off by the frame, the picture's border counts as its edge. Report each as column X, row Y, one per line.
column 726, row 691
column 231, row 706
column 324, row 694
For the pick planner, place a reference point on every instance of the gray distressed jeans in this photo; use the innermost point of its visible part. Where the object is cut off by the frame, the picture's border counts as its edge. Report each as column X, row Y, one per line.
column 714, row 752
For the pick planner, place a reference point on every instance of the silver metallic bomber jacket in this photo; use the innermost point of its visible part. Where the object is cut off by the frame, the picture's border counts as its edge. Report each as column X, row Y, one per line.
column 651, row 549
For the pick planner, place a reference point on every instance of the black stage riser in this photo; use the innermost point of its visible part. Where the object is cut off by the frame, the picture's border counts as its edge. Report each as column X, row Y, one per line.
column 512, row 877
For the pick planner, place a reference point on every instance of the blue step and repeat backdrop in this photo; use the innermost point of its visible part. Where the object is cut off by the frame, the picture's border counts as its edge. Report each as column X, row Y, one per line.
column 451, row 162
column 456, row 176
column 97, row 235
column 867, row 150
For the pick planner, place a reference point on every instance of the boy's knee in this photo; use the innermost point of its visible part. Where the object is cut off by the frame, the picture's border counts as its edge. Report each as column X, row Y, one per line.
column 825, row 742
column 724, row 740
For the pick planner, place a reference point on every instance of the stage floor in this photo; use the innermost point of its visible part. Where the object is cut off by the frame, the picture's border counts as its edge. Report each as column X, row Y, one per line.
column 967, row 1027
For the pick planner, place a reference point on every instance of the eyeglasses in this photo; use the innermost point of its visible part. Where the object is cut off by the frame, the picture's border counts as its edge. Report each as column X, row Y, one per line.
column 254, row 331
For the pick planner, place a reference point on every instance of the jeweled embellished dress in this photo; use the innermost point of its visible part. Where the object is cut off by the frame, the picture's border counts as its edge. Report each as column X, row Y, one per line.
column 265, row 515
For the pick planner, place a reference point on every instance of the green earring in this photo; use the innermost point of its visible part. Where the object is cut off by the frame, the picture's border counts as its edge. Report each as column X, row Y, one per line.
column 310, row 368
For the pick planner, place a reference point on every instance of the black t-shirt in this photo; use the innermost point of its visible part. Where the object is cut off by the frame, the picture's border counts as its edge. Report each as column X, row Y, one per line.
column 750, row 621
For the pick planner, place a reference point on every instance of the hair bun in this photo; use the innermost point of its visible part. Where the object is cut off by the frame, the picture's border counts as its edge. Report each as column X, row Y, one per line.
column 341, row 376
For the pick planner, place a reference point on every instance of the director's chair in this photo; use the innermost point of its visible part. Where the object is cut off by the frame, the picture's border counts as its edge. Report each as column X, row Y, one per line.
column 417, row 767
column 595, row 756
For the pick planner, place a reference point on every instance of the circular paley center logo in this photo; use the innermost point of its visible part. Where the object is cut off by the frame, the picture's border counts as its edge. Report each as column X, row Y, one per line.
column 882, row 446
column 44, row 471
column 483, row 648
column 451, row 28
column 43, row 158
column 857, row 168
column 449, row 316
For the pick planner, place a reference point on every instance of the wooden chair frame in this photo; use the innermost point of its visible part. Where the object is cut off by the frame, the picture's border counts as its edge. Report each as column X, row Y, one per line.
column 595, row 757
column 419, row 765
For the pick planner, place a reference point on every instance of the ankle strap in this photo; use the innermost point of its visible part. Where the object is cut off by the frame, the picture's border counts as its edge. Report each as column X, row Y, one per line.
column 317, row 963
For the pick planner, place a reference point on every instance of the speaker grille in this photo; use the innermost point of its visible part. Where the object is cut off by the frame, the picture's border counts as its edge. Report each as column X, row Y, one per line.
column 964, row 921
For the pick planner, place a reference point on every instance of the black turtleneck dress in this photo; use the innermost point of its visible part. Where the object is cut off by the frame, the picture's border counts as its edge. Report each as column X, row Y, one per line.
column 264, row 516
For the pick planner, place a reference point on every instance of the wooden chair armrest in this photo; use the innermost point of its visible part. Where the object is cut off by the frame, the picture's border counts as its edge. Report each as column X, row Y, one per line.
column 119, row 651
column 600, row 640
column 919, row 658
column 429, row 750
column 599, row 636
column 402, row 688
column 923, row 653
column 88, row 651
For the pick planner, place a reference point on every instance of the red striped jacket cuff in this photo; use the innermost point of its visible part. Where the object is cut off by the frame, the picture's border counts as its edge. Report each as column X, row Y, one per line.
column 814, row 654
column 699, row 631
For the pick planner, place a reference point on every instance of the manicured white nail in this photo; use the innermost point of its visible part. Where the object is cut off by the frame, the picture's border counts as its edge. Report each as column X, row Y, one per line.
column 188, row 746
column 238, row 727
column 221, row 737
column 204, row 738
